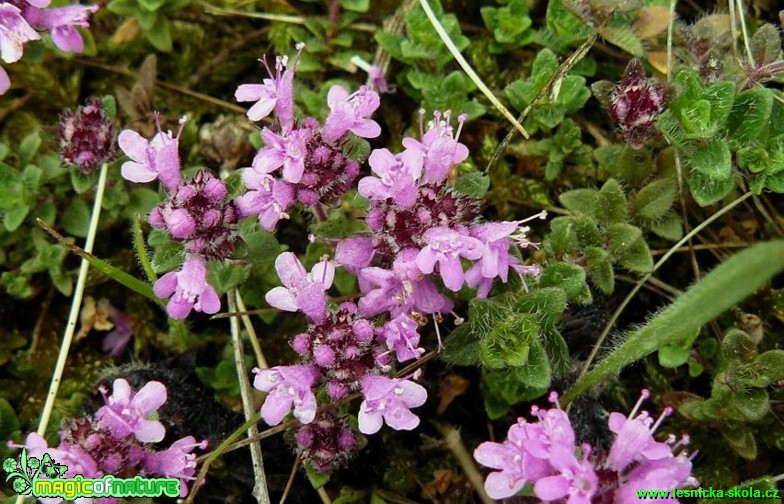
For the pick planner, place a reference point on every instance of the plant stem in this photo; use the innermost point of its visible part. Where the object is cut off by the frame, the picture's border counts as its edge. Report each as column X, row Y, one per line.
column 644, row 279
column 76, row 304
column 254, row 339
column 458, row 449
column 467, row 68
column 260, row 491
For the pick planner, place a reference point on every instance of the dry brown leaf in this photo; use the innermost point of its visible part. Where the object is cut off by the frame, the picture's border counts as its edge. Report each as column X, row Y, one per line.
column 126, row 32
column 452, row 386
column 658, row 60
column 652, row 21
column 94, row 316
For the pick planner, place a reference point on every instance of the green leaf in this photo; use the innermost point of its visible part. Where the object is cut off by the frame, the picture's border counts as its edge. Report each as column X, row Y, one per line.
column 570, row 278
column 82, row 182
column 125, row 8
column 766, row 45
column 621, row 236
column 317, row 479
column 76, row 218
column 599, row 269
column 750, row 114
column 224, row 276
column 355, row 5
column 728, row 284
column 507, row 343
column 672, row 356
column 622, row 35
column 655, row 199
column 15, row 217
column 28, row 147
column 536, row 373
column 140, row 201
column 752, row 404
column 668, row 227
column 159, row 34
column 473, row 184
column 711, row 175
column 612, row 203
column 11, row 188
column 740, row 438
column 547, row 304
column 581, row 201
column 462, row 346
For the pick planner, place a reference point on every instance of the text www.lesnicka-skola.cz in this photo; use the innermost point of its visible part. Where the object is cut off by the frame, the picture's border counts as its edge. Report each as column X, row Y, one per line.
column 710, row 493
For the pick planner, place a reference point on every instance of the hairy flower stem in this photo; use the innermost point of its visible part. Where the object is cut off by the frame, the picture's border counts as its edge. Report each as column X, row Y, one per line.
column 76, row 304
column 260, row 490
column 254, row 339
column 598, row 345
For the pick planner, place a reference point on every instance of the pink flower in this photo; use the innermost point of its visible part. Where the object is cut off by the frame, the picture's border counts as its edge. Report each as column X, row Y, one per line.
column 349, row 112
column 389, row 400
column 276, row 93
column 576, row 480
column 286, row 150
column 189, row 288
column 14, row 33
column 302, row 291
column 397, row 177
column 439, row 146
column 177, row 461
column 400, row 335
column 61, row 22
column 266, row 197
column 287, row 386
column 5, row 81
column 634, row 437
column 158, row 158
column 445, row 247
column 517, row 466
column 354, row 253
column 126, row 412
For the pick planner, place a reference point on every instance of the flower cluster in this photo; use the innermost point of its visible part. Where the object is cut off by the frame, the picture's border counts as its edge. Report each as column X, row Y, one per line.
column 545, row 454
column 635, row 104
column 22, row 20
column 327, row 442
column 197, row 212
column 419, row 230
column 118, row 440
column 86, row 137
column 304, row 160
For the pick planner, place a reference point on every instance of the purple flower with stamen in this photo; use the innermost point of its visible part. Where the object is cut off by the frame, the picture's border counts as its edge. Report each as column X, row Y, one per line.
column 445, row 248
column 158, row 158
column 401, row 336
column 576, row 481
column 350, row 112
column 288, row 386
column 276, row 93
column 188, row 289
column 634, row 437
column 14, row 33
column 397, row 176
column 286, row 150
column 266, row 197
column 517, row 466
column 62, row 22
column 389, row 400
column 439, row 146
column 126, row 412
column 302, row 291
